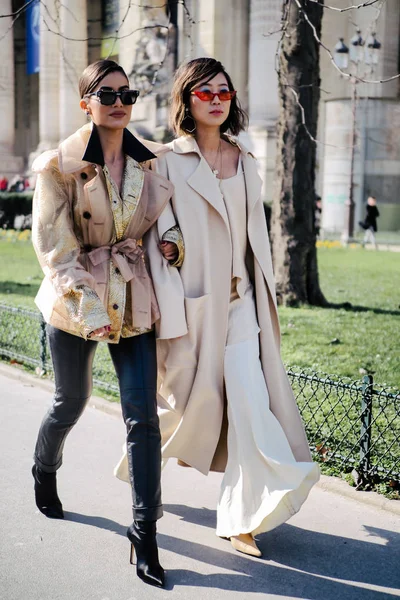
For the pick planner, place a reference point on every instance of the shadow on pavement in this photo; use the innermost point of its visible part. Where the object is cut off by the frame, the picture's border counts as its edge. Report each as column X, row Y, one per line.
column 304, row 562
column 99, row 522
column 286, row 579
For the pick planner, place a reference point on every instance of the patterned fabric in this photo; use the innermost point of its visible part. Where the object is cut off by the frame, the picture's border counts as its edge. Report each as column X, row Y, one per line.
column 175, row 235
column 83, row 306
column 123, row 208
column 58, row 250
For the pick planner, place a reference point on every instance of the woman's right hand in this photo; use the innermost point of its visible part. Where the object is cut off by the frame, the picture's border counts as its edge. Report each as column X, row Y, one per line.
column 100, row 331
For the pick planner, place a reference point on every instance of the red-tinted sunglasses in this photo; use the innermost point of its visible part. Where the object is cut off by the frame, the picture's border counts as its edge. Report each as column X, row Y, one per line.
column 207, row 96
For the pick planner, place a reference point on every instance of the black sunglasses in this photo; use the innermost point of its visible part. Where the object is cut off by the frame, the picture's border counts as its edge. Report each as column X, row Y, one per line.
column 109, row 97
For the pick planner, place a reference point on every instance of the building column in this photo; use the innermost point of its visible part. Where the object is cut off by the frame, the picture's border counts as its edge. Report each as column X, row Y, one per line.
column 263, row 88
column 49, row 74
column 73, row 60
column 140, row 53
column 129, row 36
column 220, row 30
column 9, row 164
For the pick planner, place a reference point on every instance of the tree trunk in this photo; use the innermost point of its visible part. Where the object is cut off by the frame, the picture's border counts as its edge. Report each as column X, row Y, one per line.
column 292, row 226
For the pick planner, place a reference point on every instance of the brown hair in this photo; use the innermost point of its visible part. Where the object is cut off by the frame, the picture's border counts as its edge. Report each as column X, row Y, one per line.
column 95, row 72
column 186, row 79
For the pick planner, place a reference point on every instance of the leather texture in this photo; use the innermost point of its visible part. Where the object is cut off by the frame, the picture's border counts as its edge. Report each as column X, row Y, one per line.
column 135, row 363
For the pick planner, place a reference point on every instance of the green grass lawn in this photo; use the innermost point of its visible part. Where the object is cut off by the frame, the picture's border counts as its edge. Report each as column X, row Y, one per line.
column 349, row 342
column 20, row 273
column 336, row 341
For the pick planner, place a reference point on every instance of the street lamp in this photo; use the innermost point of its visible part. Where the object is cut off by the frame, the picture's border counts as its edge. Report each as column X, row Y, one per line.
column 372, row 52
column 341, row 55
column 359, row 56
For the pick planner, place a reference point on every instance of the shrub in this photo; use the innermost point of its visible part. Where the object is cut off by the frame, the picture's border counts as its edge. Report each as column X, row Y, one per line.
column 13, row 205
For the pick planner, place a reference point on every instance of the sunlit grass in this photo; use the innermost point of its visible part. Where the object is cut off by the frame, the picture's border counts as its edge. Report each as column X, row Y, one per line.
column 344, row 342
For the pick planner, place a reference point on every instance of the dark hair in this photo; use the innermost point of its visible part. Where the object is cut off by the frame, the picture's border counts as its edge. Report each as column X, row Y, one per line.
column 95, row 72
column 186, row 79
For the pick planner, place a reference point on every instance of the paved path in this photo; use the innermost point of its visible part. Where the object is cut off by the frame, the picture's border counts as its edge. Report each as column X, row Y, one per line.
column 336, row 548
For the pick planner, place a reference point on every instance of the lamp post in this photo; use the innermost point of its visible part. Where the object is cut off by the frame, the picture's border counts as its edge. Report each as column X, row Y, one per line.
column 359, row 56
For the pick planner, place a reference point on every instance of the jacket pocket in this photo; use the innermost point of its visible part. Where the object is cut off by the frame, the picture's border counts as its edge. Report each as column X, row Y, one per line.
column 194, row 307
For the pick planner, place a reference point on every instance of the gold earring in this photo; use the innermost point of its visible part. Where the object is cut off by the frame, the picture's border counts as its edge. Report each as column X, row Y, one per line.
column 189, row 116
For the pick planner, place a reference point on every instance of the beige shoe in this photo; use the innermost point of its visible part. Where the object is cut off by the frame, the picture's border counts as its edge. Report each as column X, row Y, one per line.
column 244, row 542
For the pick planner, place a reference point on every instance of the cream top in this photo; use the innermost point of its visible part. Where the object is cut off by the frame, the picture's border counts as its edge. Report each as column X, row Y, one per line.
column 233, row 191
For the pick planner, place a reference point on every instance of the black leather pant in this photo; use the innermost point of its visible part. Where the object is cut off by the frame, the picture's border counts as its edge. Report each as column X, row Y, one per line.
column 135, row 363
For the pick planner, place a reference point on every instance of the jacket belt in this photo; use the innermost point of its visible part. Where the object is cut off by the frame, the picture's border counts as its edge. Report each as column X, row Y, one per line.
column 128, row 257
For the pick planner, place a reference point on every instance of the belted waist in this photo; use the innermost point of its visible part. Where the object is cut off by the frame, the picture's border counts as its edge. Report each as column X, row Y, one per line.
column 128, row 257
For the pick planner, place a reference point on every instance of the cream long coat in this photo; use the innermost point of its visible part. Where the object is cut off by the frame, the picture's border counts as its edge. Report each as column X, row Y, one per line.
column 191, row 375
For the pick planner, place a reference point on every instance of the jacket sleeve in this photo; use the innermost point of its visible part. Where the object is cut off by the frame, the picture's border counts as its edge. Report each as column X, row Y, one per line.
column 174, row 235
column 58, row 249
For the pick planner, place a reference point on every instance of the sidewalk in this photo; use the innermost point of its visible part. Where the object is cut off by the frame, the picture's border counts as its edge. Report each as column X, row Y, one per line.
column 335, row 548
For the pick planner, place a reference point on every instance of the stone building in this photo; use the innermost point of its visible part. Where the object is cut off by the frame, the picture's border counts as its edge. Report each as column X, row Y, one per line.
column 53, row 41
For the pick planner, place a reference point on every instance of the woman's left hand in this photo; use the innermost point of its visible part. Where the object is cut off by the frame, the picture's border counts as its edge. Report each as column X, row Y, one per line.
column 169, row 250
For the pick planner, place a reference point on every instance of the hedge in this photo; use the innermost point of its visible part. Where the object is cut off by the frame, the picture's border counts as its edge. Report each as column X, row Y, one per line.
column 13, row 204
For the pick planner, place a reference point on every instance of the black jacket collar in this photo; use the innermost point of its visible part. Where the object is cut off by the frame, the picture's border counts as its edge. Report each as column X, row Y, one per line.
column 130, row 145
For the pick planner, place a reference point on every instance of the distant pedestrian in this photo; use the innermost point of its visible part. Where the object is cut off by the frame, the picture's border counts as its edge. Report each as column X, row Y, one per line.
column 317, row 215
column 3, row 183
column 16, row 184
column 369, row 223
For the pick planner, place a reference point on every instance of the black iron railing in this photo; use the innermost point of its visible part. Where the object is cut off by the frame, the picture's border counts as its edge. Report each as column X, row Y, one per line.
column 351, row 425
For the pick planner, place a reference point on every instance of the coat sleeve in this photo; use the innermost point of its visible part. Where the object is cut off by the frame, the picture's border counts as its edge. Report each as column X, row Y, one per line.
column 58, row 249
column 166, row 278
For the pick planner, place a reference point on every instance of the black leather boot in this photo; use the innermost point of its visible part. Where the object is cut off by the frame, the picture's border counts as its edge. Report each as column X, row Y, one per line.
column 142, row 535
column 46, row 496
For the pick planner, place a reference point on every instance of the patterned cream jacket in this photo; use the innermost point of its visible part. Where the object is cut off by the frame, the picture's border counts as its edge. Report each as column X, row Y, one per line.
column 88, row 237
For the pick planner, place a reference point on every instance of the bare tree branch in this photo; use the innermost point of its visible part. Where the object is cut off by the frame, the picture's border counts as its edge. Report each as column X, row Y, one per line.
column 327, row 50
column 342, row 10
column 19, row 11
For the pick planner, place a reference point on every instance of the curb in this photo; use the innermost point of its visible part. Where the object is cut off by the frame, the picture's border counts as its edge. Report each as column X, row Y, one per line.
column 326, row 483
column 342, row 488
column 19, row 374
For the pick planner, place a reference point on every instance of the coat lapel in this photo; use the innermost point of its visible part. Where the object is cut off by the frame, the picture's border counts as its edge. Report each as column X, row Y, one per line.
column 253, row 181
column 259, row 240
column 202, row 180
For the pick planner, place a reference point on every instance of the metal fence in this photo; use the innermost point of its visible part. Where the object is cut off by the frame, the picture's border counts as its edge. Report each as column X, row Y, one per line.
column 351, row 425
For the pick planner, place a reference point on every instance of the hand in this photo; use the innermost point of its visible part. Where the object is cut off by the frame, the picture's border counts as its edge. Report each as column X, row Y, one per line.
column 169, row 250
column 100, row 332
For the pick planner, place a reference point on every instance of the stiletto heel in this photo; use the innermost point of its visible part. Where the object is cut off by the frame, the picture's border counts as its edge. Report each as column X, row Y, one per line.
column 46, row 496
column 142, row 535
column 132, row 554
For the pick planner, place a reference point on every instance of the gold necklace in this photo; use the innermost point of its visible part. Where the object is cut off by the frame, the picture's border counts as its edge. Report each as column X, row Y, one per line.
column 219, row 153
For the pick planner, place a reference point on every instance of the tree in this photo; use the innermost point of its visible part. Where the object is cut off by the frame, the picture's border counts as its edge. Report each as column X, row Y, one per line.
column 292, row 224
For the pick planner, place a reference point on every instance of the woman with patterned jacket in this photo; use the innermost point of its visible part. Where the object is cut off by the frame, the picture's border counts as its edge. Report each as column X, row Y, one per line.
column 94, row 201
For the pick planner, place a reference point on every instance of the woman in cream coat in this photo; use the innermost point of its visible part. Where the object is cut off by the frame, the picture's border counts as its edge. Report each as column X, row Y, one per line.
column 225, row 402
